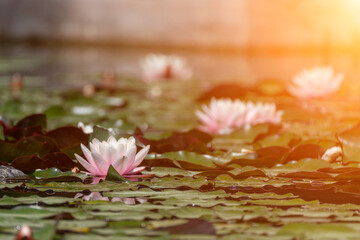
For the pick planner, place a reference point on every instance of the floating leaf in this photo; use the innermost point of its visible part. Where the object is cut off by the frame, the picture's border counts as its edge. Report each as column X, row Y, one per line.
column 55, row 111
column 45, row 233
column 338, row 170
column 273, row 151
column 352, row 175
column 194, row 226
column 113, row 175
column 305, row 151
column 271, row 87
column 265, row 161
column 252, row 173
column 55, row 172
column 27, row 126
column 191, row 157
column 40, row 145
column 318, row 231
column 350, row 140
column 193, row 141
column 30, row 163
column 2, row 135
column 68, row 139
column 100, row 133
column 33, row 121
column 225, row 90
column 307, row 175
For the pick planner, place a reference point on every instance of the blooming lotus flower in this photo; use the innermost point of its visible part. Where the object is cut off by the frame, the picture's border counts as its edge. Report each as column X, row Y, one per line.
column 158, row 67
column 315, row 83
column 220, row 116
column 88, row 129
column 121, row 154
column 225, row 115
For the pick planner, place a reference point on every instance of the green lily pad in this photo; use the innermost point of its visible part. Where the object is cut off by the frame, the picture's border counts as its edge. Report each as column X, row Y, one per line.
column 113, row 175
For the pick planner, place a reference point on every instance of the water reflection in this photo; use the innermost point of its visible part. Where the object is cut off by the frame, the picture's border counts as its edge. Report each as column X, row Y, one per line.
column 97, row 196
column 69, row 66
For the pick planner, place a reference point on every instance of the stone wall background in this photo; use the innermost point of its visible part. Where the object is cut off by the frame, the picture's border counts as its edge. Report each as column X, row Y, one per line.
column 240, row 24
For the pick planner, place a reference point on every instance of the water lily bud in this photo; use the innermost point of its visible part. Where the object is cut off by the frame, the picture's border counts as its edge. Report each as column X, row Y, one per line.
column 75, row 170
column 24, row 233
column 16, row 83
column 108, row 79
column 88, row 90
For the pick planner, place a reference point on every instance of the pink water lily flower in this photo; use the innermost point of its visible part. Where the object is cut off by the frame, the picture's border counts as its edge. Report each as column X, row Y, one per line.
column 315, row 83
column 223, row 116
column 220, row 116
column 121, row 154
column 159, row 67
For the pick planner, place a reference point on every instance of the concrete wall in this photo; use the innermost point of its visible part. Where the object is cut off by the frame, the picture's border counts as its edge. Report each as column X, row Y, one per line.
column 242, row 24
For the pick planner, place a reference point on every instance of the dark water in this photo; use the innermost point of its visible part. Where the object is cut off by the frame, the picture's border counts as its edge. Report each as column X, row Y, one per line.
column 68, row 66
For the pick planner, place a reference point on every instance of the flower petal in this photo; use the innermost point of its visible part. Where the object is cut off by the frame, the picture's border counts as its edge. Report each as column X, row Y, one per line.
column 141, row 155
column 101, row 164
column 87, row 165
column 88, row 156
column 121, row 164
column 130, row 164
column 136, row 170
